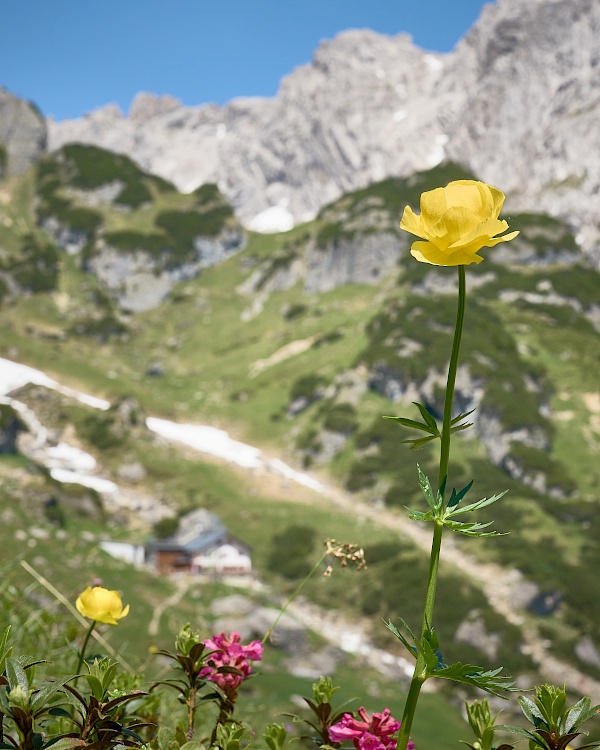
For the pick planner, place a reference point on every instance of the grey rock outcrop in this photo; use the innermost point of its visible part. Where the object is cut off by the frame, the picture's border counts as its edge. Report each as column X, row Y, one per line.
column 517, row 102
column 137, row 280
column 22, row 134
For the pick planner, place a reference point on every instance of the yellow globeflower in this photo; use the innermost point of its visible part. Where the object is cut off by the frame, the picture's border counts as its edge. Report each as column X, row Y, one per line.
column 456, row 222
column 101, row 605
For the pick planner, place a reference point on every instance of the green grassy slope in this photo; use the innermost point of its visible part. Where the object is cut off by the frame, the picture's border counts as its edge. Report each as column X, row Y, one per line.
column 209, row 353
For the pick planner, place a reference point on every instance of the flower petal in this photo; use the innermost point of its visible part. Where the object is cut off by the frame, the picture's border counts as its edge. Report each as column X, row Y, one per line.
column 480, row 234
column 427, row 252
column 410, row 223
column 433, row 207
column 468, row 194
column 457, row 222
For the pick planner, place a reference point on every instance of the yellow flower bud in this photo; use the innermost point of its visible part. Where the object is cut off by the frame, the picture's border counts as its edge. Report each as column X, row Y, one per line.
column 101, row 605
column 456, row 222
column 19, row 697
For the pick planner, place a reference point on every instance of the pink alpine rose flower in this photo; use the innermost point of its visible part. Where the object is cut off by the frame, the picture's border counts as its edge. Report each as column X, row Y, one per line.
column 228, row 651
column 372, row 733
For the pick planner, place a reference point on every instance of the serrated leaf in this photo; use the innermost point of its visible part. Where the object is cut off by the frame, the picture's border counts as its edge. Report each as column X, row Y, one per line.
column 429, row 420
column 425, row 485
column 460, row 417
column 456, row 497
column 391, row 627
column 479, row 504
column 419, row 515
column 411, row 423
column 473, row 529
column 418, row 443
column 460, row 427
column 491, row 681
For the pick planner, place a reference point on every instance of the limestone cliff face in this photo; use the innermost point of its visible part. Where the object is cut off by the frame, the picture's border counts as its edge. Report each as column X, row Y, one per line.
column 22, row 134
column 517, row 102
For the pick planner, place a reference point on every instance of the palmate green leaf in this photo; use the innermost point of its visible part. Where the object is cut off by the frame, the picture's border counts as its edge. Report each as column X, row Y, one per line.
column 491, row 680
column 428, row 425
column 473, row 529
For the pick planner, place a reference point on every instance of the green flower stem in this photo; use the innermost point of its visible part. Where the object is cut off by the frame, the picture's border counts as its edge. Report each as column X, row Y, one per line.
column 460, row 319
column 419, row 675
column 83, row 648
column 294, row 594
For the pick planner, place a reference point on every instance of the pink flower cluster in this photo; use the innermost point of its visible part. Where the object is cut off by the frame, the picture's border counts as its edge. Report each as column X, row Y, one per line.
column 229, row 652
column 372, row 733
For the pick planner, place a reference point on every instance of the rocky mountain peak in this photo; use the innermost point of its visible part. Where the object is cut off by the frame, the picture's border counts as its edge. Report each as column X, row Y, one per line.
column 516, row 103
column 22, row 134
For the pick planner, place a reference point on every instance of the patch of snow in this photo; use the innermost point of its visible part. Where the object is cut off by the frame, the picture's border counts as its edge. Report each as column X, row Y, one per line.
column 66, row 476
column 272, row 220
column 437, row 155
column 399, row 115
column 208, row 440
column 434, row 63
column 75, row 458
column 221, row 131
column 380, row 73
column 218, row 443
column 279, row 467
column 14, row 375
column 68, row 464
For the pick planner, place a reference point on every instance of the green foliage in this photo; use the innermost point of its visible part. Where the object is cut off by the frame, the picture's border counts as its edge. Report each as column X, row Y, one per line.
column 183, row 227
column 89, row 167
column 554, row 727
column 3, row 160
column 37, row 267
column 532, row 461
column 307, row 387
column 291, row 551
column 134, row 194
column 166, row 527
column 127, row 241
column 445, row 515
column 428, row 649
column 102, row 430
column 281, row 262
column 295, row 311
column 341, row 418
column 208, row 193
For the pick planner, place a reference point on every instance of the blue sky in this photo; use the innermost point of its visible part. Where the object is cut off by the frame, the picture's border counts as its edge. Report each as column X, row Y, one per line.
column 72, row 56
